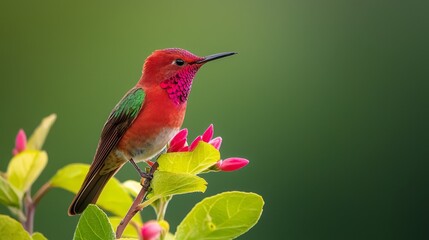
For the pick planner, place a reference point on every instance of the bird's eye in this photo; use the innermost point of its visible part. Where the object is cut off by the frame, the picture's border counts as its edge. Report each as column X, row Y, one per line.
column 179, row 62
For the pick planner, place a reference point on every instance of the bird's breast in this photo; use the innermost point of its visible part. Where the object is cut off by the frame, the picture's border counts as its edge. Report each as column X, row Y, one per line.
column 158, row 121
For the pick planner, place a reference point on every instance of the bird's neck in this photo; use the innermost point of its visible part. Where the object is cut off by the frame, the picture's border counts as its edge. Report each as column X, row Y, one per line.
column 176, row 87
column 179, row 86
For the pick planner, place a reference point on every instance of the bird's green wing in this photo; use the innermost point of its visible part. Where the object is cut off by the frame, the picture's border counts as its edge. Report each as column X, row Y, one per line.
column 120, row 119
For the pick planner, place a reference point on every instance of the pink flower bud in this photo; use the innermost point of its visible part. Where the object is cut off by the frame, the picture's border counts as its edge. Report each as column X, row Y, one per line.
column 177, row 146
column 195, row 143
column 232, row 164
column 151, row 230
column 178, row 141
column 208, row 134
column 216, row 142
column 20, row 142
column 184, row 149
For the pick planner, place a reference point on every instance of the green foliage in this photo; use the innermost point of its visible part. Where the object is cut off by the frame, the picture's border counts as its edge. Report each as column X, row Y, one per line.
column 176, row 173
column 15, row 185
column 133, row 187
column 11, row 229
column 167, row 183
column 38, row 137
column 195, row 162
column 70, row 177
column 38, row 236
column 114, row 198
column 93, row 224
column 223, row 216
column 9, row 196
column 25, row 168
column 130, row 231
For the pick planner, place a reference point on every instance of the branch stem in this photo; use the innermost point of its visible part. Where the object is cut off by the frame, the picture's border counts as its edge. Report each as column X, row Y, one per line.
column 30, row 206
column 135, row 206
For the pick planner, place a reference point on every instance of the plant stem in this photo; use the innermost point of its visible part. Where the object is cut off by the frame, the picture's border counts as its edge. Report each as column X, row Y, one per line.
column 30, row 206
column 41, row 192
column 135, row 206
column 163, row 208
column 29, row 213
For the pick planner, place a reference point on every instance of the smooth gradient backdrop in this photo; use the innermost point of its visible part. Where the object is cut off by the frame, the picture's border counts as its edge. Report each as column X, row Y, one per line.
column 329, row 100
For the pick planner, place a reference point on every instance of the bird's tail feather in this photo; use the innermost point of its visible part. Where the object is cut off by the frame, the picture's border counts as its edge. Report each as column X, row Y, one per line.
column 90, row 191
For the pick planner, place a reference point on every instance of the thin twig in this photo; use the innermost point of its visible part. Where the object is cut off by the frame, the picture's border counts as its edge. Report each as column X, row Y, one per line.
column 41, row 192
column 29, row 213
column 30, row 206
column 134, row 207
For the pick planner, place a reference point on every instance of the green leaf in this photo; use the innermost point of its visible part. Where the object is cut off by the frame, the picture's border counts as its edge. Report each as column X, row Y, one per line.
column 223, row 216
column 93, row 224
column 169, row 236
column 167, row 183
column 70, row 177
column 38, row 236
column 9, row 196
column 39, row 135
column 133, row 187
column 203, row 157
column 25, row 168
column 130, row 231
column 114, row 197
column 12, row 229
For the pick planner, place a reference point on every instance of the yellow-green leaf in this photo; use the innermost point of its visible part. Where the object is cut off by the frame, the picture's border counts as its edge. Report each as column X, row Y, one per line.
column 167, row 183
column 12, row 229
column 25, row 168
column 133, row 187
column 70, row 177
column 169, row 236
column 223, row 216
column 114, row 197
column 130, row 231
column 38, row 236
column 9, row 196
column 203, row 157
column 39, row 135
column 93, row 225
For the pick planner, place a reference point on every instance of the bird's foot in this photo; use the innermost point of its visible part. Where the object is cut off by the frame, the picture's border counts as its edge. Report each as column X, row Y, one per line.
column 144, row 177
column 148, row 176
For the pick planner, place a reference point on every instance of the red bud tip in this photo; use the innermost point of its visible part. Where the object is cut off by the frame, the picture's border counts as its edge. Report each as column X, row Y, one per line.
column 232, row 164
column 195, row 143
column 150, row 163
column 178, row 141
column 182, row 134
column 208, row 134
column 184, row 149
column 216, row 142
column 20, row 142
column 151, row 230
column 177, row 146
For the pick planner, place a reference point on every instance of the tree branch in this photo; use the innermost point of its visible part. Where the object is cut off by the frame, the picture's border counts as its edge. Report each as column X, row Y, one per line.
column 135, row 206
column 30, row 206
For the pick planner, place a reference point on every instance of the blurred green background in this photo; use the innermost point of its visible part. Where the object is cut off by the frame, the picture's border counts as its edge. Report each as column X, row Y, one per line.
column 328, row 99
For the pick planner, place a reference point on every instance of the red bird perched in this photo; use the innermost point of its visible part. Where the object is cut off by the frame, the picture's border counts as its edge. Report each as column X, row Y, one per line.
column 146, row 118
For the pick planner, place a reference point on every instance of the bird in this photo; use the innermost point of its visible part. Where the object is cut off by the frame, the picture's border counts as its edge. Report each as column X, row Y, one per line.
column 145, row 119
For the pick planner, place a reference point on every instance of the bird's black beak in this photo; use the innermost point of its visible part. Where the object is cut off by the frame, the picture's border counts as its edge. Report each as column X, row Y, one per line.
column 214, row 57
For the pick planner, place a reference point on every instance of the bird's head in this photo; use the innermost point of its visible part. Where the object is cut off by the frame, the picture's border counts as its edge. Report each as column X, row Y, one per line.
column 173, row 69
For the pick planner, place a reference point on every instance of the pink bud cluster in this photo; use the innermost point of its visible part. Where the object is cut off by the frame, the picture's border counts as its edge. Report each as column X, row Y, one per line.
column 179, row 144
column 151, row 230
column 179, row 141
column 20, row 142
